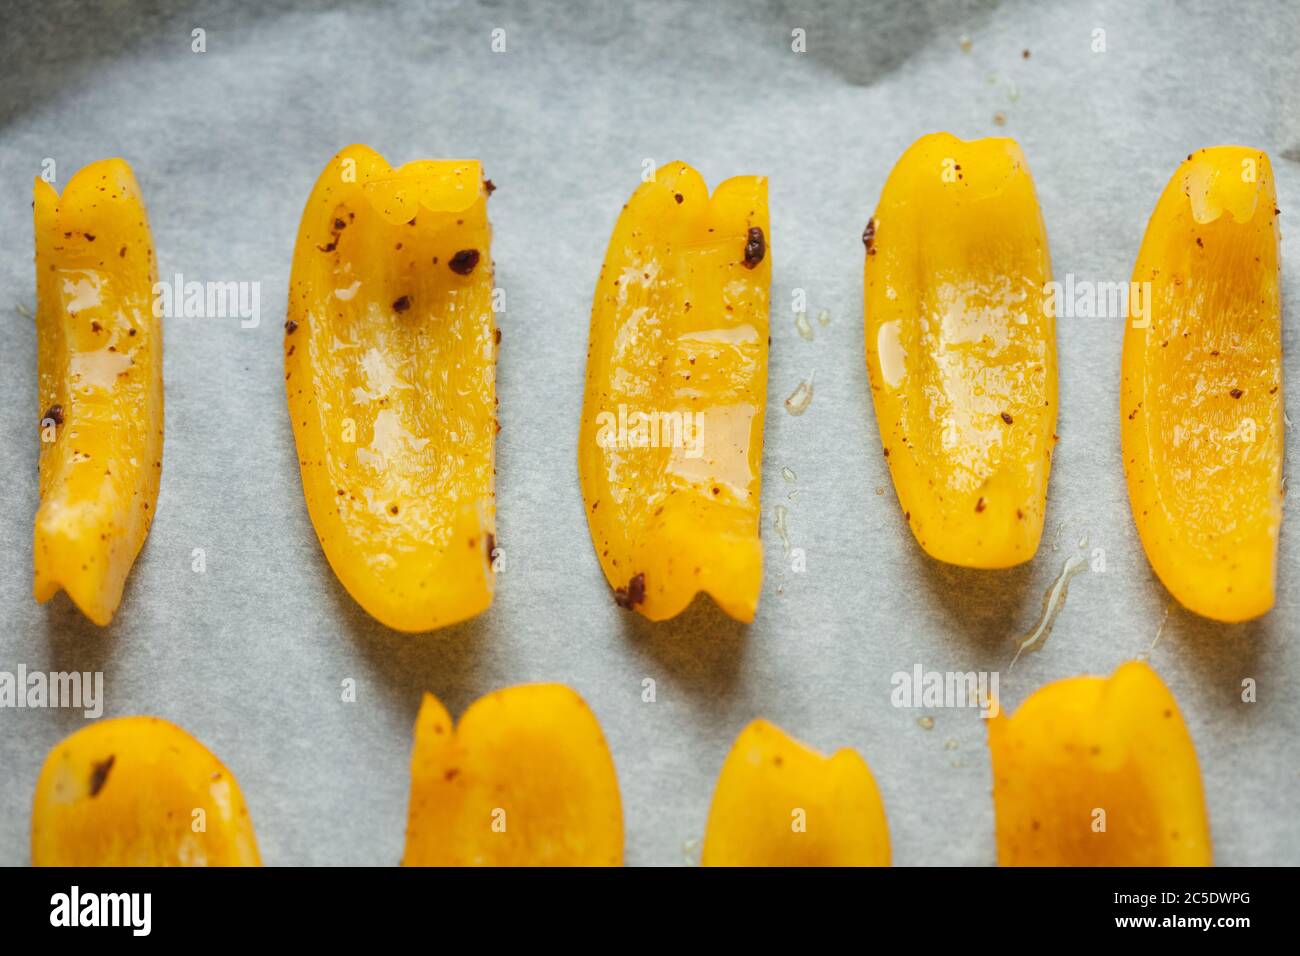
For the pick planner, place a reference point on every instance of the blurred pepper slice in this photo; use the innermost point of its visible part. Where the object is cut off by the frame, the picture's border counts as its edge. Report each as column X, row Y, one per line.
column 961, row 348
column 99, row 359
column 1093, row 771
column 138, row 791
column 781, row 803
column 1201, row 399
column 671, row 441
column 390, row 366
column 525, row 779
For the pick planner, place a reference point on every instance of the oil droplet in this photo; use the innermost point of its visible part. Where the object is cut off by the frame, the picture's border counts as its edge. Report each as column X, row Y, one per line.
column 691, row 852
column 804, row 326
column 824, row 317
column 1053, row 601
column 1083, row 542
column 950, row 744
column 782, row 526
column 788, row 474
column 880, row 489
column 958, row 762
column 925, row 723
column 965, row 43
column 801, row 397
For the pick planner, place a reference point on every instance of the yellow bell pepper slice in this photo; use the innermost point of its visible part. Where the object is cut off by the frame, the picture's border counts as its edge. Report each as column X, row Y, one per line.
column 778, row 802
column 390, row 371
column 1094, row 771
column 138, row 791
column 671, row 439
column 1201, row 416
column 99, row 361
column 961, row 348
column 525, row 779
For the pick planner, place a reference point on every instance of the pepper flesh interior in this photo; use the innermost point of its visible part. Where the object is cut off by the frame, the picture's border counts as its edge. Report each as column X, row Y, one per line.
column 671, row 439
column 99, row 361
column 1201, row 416
column 525, row 779
column 961, row 348
column 138, row 791
column 778, row 802
column 1094, row 771
column 390, row 365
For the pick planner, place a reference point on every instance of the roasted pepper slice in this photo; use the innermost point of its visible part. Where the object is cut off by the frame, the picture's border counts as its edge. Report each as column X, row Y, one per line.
column 671, row 440
column 99, row 358
column 525, row 779
column 778, row 802
column 1201, row 401
column 1095, row 771
column 961, row 348
column 138, row 791
column 390, row 370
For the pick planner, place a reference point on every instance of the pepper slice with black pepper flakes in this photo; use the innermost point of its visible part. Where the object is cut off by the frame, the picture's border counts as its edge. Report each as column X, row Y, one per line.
column 958, row 224
column 390, row 380
column 1201, row 402
column 99, row 362
column 129, row 791
column 671, row 436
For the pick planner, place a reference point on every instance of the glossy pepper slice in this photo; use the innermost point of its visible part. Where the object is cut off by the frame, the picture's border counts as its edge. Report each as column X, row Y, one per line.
column 778, row 802
column 138, row 791
column 671, row 439
column 390, row 371
column 1095, row 771
column 99, row 361
column 961, row 348
column 1201, row 400
column 525, row 779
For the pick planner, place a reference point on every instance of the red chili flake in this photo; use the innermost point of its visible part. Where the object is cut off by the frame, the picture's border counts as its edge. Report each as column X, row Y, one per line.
column 491, row 544
column 402, row 304
column 329, row 246
column 633, row 594
column 489, row 186
column 89, row 237
column 869, row 236
column 463, row 262
column 1024, row 54
column 497, row 336
column 99, row 774
column 679, row 197
column 340, row 224
column 1236, row 393
column 290, row 327
column 54, row 414
column 979, row 505
column 755, row 247
column 1006, row 417
column 95, row 326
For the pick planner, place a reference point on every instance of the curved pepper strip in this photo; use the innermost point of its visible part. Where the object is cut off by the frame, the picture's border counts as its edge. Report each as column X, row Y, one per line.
column 138, row 791
column 961, row 348
column 99, row 358
column 390, row 372
column 525, row 779
column 778, row 802
column 1094, row 771
column 1201, row 400
column 671, row 439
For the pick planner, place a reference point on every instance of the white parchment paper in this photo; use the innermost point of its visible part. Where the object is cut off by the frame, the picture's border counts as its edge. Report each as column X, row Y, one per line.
column 250, row 655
